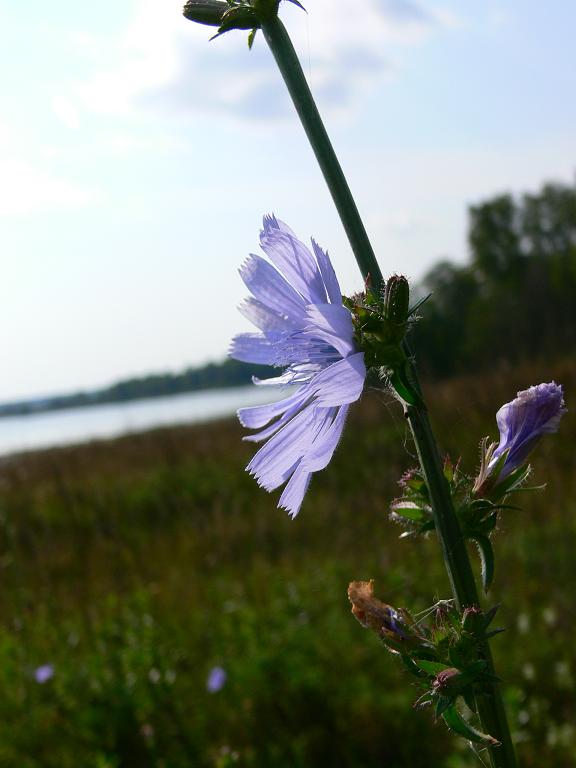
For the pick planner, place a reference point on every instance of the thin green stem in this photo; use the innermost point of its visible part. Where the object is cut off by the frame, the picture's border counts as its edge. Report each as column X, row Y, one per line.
column 490, row 706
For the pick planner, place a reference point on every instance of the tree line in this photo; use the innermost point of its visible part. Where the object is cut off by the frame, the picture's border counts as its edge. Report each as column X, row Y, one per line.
column 516, row 298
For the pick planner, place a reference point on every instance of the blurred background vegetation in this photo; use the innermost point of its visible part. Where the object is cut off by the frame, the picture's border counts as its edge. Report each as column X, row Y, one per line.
column 132, row 569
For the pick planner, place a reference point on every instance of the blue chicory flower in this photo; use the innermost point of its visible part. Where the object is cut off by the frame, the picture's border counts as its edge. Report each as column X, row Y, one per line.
column 44, row 673
column 534, row 412
column 216, row 679
column 296, row 303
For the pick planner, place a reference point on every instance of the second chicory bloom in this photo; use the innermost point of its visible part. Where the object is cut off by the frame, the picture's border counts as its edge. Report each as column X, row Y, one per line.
column 296, row 303
column 534, row 412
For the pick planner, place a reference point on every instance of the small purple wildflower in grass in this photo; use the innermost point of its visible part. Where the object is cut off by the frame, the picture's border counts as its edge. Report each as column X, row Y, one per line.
column 216, row 679
column 44, row 673
column 534, row 412
column 296, row 303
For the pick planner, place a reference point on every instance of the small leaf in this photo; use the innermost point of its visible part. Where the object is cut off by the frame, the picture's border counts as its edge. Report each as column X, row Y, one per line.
column 489, row 615
column 456, row 723
column 412, row 667
column 486, row 560
column 403, row 388
column 409, row 510
column 494, row 632
column 251, row 37
column 415, row 307
column 431, row 667
column 511, row 482
column 443, row 703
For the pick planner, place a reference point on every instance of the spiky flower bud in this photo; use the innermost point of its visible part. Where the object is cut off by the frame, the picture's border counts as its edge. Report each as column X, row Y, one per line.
column 448, row 680
column 209, row 12
column 396, row 300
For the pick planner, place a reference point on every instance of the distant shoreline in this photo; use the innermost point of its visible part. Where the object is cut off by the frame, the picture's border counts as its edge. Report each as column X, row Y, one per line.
column 227, row 374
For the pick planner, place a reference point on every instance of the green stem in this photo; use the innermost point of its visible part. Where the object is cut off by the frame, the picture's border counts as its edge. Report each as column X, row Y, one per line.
column 490, row 706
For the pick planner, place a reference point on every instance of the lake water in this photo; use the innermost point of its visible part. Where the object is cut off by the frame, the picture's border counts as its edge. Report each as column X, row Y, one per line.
column 78, row 425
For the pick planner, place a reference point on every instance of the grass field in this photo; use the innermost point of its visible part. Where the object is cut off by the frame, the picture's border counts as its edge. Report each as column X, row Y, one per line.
column 131, row 568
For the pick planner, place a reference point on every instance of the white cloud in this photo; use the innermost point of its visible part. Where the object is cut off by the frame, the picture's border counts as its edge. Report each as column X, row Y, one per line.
column 26, row 187
column 163, row 62
column 66, row 112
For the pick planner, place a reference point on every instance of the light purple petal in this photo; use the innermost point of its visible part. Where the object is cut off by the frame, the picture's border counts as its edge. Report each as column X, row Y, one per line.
column 271, row 288
column 328, row 274
column 258, row 416
column 296, row 302
column 340, row 383
column 294, row 261
column 279, row 224
column 319, row 456
column 293, row 495
column 284, row 449
column 265, row 318
column 333, row 324
column 253, row 348
column 534, row 412
column 276, row 381
column 271, row 429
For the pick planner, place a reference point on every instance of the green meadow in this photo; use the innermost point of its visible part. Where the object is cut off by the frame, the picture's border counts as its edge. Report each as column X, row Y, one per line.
column 134, row 567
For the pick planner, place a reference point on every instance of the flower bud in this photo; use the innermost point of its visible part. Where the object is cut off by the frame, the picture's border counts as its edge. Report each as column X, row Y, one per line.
column 396, row 299
column 448, row 680
column 535, row 412
column 207, row 12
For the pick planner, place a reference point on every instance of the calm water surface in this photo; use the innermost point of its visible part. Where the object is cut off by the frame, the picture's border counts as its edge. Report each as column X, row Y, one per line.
column 78, row 425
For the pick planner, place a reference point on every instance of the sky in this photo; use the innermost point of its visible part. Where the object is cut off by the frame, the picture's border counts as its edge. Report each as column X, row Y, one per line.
column 137, row 159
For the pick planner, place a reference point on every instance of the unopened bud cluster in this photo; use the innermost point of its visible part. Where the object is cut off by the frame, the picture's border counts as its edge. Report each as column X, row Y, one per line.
column 381, row 321
column 440, row 650
column 233, row 14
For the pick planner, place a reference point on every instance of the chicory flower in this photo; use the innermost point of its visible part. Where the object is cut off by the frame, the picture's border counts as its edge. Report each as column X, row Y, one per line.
column 535, row 411
column 44, row 673
column 216, row 679
column 304, row 328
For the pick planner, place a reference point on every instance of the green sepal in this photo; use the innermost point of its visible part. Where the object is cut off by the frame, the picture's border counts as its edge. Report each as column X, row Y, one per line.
column 486, row 553
column 511, row 482
column 251, row 37
column 468, row 696
column 412, row 667
column 456, row 723
column 415, row 307
column 431, row 667
column 410, row 511
column 401, row 384
column 488, row 616
column 443, row 703
column 448, row 470
column 494, row 632
column 237, row 17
